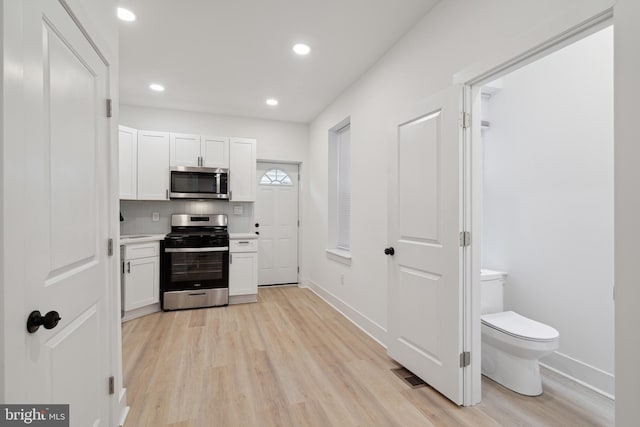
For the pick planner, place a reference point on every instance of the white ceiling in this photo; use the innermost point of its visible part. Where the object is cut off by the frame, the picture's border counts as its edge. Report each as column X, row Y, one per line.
column 229, row 56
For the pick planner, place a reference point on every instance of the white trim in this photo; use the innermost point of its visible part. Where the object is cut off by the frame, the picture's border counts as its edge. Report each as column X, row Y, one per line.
column 124, row 409
column 339, row 255
column 243, row 299
column 141, row 311
column 368, row 326
column 582, row 373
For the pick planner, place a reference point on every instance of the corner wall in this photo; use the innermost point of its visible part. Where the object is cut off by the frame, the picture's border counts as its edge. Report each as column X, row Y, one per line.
column 453, row 37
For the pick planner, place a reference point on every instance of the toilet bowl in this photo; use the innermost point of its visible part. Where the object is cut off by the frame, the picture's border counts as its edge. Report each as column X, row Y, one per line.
column 512, row 344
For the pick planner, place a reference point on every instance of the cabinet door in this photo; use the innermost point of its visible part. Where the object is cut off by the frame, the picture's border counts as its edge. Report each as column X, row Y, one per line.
column 185, row 150
column 153, row 165
column 243, row 273
column 214, row 151
column 242, row 169
column 128, row 165
column 141, row 282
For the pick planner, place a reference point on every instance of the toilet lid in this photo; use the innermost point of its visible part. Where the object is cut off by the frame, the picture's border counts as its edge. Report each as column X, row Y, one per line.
column 519, row 326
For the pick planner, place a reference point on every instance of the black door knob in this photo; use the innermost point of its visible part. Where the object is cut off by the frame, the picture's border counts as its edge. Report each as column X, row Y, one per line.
column 257, row 224
column 257, row 232
column 389, row 251
column 49, row 320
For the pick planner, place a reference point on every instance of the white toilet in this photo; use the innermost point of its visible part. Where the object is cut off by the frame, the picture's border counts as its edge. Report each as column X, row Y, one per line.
column 511, row 343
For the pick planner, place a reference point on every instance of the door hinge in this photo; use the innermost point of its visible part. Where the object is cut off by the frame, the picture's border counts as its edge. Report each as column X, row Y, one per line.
column 110, row 247
column 465, row 120
column 465, row 239
column 109, row 107
column 465, row 359
column 112, row 385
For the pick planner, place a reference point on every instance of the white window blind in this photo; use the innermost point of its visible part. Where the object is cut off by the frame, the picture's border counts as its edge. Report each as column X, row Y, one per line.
column 343, row 238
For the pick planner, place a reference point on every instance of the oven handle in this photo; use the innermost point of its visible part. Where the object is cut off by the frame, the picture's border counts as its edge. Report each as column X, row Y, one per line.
column 219, row 249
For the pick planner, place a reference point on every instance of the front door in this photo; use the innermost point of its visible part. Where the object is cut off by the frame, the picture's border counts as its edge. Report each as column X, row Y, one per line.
column 277, row 218
column 425, row 291
column 61, row 244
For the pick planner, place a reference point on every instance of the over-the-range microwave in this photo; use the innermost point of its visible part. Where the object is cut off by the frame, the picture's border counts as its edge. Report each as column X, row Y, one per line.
column 199, row 183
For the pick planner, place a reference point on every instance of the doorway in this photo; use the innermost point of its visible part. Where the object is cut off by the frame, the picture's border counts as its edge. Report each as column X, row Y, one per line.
column 277, row 223
column 541, row 198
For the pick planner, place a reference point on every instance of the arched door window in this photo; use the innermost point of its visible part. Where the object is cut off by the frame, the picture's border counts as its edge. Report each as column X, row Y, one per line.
column 275, row 177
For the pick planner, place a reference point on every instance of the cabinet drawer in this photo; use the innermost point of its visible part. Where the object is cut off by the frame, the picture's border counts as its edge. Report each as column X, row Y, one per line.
column 243, row 245
column 141, row 250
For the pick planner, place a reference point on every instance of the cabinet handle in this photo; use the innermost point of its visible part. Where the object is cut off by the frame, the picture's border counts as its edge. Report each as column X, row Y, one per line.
column 230, row 258
column 243, row 243
column 167, row 193
column 230, row 195
column 129, row 267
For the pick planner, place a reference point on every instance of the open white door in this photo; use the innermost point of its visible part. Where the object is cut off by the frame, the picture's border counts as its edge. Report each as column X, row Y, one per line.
column 61, row 198
column 425, row 290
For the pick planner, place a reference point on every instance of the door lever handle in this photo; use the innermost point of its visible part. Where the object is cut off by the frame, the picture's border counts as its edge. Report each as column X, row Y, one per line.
column 389, row 251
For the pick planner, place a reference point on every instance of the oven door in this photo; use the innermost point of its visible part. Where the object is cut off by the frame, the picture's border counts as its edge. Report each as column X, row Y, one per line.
column 195, row 268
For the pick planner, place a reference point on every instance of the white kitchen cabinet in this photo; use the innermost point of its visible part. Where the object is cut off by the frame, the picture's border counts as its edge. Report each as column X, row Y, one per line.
column 128, row 165
column 243, row 271
column 214, row 151
column 185, row 150
column 242, row 169
column 195, row 150
column 153, row 165
column 140, row 275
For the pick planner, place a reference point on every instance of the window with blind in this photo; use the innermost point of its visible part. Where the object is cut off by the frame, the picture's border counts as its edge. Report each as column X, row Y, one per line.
column 343, row 190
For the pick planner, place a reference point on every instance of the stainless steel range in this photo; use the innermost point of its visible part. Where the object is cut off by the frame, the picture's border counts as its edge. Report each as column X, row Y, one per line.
column 195, row 262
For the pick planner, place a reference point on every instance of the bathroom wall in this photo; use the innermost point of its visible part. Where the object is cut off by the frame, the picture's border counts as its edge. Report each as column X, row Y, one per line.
column 548, row 201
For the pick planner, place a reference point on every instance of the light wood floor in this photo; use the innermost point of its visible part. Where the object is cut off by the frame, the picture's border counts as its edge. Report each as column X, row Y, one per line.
column 291, row 360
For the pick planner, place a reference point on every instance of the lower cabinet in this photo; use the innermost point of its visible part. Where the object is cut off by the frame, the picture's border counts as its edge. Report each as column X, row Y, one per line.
column 243, row 271
column 140, row 279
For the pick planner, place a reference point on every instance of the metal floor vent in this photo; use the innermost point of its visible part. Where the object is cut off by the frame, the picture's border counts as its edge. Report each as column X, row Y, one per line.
column 409, row 377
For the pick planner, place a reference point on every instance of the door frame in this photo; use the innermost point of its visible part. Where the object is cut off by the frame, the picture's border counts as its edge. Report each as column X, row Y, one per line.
column 544, row 42
column 300, row 183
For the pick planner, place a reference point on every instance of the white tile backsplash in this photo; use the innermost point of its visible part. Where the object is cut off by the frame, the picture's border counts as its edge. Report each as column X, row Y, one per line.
column 138, row 215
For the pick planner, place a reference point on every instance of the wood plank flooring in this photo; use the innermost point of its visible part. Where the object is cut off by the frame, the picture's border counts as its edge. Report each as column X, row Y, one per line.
column 291, row 360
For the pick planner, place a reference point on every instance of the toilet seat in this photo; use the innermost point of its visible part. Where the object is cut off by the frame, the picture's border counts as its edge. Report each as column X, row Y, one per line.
column 520, row 327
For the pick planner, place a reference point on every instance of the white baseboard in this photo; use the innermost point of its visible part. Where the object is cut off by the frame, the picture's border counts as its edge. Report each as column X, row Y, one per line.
column 589, row 376
column 124, row 409
column 368, row 326
column 142, row 311
column 243, row 299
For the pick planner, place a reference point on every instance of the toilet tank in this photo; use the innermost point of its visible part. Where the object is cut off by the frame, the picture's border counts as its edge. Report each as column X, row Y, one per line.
column 492, row 283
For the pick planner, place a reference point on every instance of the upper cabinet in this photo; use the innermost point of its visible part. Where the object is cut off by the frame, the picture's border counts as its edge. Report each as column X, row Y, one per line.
column 196, row 150
column 242, row 169
column 214, row 151
column 128, row 155
column 147, row 156
column 153, row 165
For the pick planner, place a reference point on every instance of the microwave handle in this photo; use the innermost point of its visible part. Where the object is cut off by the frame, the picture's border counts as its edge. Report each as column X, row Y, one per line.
column 217, row 183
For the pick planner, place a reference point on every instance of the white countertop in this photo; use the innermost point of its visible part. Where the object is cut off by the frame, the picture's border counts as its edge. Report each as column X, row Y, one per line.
column 244, row 236
column 140, row 238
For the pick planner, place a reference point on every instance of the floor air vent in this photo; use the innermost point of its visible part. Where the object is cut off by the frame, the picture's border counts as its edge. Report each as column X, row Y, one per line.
column 409, row 377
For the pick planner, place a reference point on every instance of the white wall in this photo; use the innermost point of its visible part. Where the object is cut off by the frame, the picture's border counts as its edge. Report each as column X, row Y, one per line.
column 548, row 201
column 627, row 210
column 454, row 36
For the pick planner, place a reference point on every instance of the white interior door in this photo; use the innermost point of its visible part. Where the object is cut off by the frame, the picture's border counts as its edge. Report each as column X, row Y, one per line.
column 277, row 215
column 425, row 290
column 63, row 246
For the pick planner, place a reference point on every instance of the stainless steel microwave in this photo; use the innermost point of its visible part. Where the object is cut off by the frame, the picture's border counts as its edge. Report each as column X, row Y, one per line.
column 199, row 183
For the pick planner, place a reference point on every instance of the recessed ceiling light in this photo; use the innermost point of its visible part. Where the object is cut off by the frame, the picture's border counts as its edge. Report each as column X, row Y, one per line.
column 126, row 14
column 157, row 87
column 301, row 49
column 272, row 102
